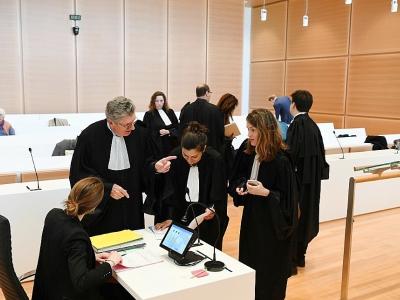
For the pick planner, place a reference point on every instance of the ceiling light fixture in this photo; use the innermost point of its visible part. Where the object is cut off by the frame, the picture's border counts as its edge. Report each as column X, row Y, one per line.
column 305, row 17
column 395, row 5
column 263, row 13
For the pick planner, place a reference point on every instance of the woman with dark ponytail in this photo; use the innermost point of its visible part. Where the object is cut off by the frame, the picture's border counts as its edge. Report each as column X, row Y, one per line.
column 197, row 175
column 66, row 267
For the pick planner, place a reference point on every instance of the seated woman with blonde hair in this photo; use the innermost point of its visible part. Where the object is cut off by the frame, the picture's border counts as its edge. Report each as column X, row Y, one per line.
column 67, row 263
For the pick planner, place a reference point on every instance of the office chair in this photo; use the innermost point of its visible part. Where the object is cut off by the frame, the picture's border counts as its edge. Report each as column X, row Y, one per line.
column 9, row 282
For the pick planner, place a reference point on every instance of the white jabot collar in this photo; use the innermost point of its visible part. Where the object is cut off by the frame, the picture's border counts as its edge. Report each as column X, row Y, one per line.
column 255, row 168
column 193, row 184
column 119, row 159
column 164, row 117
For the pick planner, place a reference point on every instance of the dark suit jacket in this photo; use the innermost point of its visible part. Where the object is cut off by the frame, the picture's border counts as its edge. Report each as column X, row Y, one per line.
column 66, row 267
column 207, row 114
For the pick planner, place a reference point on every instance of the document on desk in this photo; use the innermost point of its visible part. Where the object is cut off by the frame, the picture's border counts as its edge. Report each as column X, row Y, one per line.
column 158, row 234
column 136, row 259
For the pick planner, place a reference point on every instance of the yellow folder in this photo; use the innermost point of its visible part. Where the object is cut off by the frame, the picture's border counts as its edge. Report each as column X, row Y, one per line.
column 114, row 238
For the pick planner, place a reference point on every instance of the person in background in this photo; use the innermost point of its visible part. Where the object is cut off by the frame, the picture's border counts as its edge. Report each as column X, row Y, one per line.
column 206, row 114
column 281, row 107
column 120, row 154
column 66, row 267
column 162, row 122
column 197, row 175
column 61, row 147
column 228, row 103
column 306, row 148
column 269, row 204
column 5, row 127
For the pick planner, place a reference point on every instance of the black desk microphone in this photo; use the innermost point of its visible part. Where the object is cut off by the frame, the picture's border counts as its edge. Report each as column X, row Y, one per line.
column 37, row 177
column 339, row 144
column 213, row 265
column 184, row 219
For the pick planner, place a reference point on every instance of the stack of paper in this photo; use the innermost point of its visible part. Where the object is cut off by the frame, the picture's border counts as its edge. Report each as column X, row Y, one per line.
column 116, row 241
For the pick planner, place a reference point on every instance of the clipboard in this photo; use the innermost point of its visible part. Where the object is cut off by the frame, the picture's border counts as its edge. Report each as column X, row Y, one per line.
column 232, row 129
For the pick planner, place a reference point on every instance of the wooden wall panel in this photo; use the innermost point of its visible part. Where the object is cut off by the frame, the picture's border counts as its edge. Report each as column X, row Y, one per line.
column 374, row 126
column 10, row 58
column 146, row 50
column 324, row 78
column 48, row 54
column 187, row 42
column 266, row 78
column 225, row 48
column 374, row 86
column 327, row 32
column 374, row 29
column 338, row 121
column 100, row 53
column 268, row 38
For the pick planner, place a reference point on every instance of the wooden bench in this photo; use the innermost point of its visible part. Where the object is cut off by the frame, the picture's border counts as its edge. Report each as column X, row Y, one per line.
column 8, row 178
column 45, row 175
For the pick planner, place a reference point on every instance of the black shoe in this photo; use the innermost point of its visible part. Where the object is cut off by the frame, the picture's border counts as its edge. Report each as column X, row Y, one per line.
column 301, row 263
column 294, row 270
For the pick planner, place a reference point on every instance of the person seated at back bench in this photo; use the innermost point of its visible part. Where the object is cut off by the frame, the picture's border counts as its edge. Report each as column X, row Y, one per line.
column 5, row 127
column 59, row 149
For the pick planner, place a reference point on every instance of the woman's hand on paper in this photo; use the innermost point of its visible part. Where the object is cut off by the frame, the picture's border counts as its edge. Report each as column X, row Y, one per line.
column 163, row 225
column 101, row 257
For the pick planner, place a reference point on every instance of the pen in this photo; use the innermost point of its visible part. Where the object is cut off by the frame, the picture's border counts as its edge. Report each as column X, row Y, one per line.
column 197, row 274
column 211, row 259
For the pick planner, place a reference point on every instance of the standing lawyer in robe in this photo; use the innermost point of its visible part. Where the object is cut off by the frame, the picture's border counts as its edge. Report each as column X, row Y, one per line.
column 206, row 114
column 198, row 170
column 119, row 153
column 66, row 268
column 269, row 206
column 162, row 122
column 307, row 150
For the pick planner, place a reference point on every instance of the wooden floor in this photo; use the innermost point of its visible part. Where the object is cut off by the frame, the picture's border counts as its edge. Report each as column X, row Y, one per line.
column 375, row 259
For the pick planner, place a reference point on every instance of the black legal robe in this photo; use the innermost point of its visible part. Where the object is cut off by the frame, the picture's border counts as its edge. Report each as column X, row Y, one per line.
column 66, row 268
column 212, row 191
column 208, row 115
column 308, row 154
column 155, row 123
column 268, row 222
column 91, row 157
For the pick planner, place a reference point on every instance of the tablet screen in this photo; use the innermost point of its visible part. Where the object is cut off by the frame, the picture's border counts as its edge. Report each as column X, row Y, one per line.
column 178, row 239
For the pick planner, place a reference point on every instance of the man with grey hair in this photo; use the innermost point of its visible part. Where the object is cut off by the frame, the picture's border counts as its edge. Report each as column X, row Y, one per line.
column 119, row 153
column 5, row 127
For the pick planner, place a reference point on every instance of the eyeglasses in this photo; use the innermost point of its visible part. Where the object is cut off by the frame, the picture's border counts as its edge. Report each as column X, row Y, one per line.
column 128, row 126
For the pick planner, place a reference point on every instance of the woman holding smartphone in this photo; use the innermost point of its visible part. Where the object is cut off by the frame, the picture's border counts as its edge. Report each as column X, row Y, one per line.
column 263, row 183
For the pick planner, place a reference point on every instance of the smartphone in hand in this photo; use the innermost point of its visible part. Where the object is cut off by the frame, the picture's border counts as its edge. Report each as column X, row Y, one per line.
column 252, row 182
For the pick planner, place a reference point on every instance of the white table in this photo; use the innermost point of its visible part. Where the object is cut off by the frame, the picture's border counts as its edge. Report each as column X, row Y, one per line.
column 26, row 212
column 371, row 197
column 166, row 280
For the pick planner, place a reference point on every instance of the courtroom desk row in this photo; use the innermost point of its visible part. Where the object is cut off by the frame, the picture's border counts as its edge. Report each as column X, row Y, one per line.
column 24, row 164
column 26, row 211
column 166, row 280
column 369, row 196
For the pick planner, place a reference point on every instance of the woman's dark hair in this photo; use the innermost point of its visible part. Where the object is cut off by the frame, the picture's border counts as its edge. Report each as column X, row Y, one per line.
column 269, row 141
column 194, row 137
column 85, row 195
column 227, row 103
column 152, row 105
